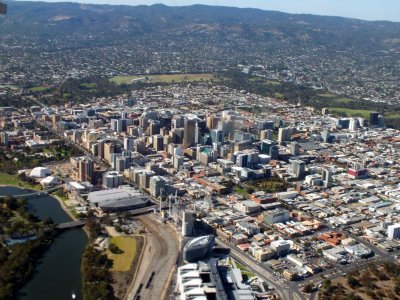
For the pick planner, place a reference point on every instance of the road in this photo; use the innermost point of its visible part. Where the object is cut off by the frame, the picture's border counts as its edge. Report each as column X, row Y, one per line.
column 158, row 264
column 286, row 290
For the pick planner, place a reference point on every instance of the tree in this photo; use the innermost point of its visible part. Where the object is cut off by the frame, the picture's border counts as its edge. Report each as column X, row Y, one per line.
column 353, row 282
column 308, row 288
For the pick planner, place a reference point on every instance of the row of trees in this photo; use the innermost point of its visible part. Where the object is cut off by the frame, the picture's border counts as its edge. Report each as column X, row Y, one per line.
column 96, row 268
column 17, row 261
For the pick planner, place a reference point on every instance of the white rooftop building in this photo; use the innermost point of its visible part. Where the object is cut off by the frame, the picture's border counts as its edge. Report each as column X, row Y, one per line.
column 40, row 172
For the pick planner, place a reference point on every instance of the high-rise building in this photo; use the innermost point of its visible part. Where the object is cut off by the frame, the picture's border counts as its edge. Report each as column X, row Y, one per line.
column 154, row 127
column 298, row 168
column 381, row 121
column 326, row 136
column 85, row 169
column 327, row 177
column 120, row 163
column 4, row 138
column 189, row 136
column 393, row 232
column 178, row 121
column 266, row 134
column 129, row 141
column 353, row 124
column 284, row 135
column 112, row 179
column 157, row 183
column 3, row 8
column 100, row 148
column 158, row 142
column 108, row 149
column 240, row 136
column 217, row 136
column 294, row 148
column 274, row 152
column 373, row 118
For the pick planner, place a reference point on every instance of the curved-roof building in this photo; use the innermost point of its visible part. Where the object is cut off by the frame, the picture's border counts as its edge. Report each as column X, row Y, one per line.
column 198, row 248
column 40, row 172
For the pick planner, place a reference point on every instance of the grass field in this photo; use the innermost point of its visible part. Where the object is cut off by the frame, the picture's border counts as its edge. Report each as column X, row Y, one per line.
column 351, row 112
column 335, row 98
column 123, row 261
column 13, row 180
column 39, row 89
column 168, row 78
column 245, row 272
column 392, row 116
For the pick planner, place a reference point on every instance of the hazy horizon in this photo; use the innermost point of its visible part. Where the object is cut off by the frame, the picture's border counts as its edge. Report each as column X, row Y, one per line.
column 371, row 10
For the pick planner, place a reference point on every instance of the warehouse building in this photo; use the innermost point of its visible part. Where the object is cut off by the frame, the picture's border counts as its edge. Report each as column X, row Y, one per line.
column 119, row 199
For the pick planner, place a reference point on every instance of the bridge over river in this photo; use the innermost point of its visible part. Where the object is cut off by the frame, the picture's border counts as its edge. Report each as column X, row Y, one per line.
column 70, row 225
column 35, row 193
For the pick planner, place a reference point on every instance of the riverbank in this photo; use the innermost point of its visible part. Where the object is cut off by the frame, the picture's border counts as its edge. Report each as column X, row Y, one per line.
column 13, row 180
column 68, row 212
column 64, row 253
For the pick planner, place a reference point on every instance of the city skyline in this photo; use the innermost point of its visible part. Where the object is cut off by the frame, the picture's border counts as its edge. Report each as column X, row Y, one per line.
column 359, row 9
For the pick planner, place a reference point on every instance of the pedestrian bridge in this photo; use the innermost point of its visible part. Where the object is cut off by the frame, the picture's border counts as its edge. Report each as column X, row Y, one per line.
column 35, row 193
column 70, row 225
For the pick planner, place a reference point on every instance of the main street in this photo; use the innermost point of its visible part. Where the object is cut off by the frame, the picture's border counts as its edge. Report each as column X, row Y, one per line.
column 285, row 289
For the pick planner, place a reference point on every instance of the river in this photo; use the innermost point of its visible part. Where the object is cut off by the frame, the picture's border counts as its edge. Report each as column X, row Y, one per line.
column 57, row 274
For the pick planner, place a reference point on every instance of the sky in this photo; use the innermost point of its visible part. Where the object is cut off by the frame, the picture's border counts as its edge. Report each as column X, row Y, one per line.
column 359, row 9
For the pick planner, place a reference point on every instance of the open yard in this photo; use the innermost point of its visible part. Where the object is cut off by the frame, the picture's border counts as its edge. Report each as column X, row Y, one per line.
column 336, row 98
column 351, row 112
column 167, row 78
column 13, row 180
column 122, row 262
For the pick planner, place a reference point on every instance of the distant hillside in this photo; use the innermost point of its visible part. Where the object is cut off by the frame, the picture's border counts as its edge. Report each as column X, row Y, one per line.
column 119, row 22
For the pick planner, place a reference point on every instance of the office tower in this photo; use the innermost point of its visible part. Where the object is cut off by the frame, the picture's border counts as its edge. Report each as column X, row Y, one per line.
column 157, row 183
column 284, row 135
column 197, row 134
column 3, row 8
column 108, row 149
column 112, row 179
column 294, row 148
column 129, row 141
column 94, row 149
column 212, row 122
column 114, row 124
column 120, row 163
column 189, row 136
column 381, row 121
column 177, row 161
column 327, row 177
column 265, row 124
column 154, row 127
column 373, row 118
column 85, row 169
column 393, row 231
column 55, row 119
column 353, row 124
column 158, row 142
column 326, row 136
column 177, row 135
column 266, row 134
column 178, row 121
column 240, row 136
column 274, row 152
column 298, row 168
column 4, row 138
column 100, row 148
column 89, row 112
